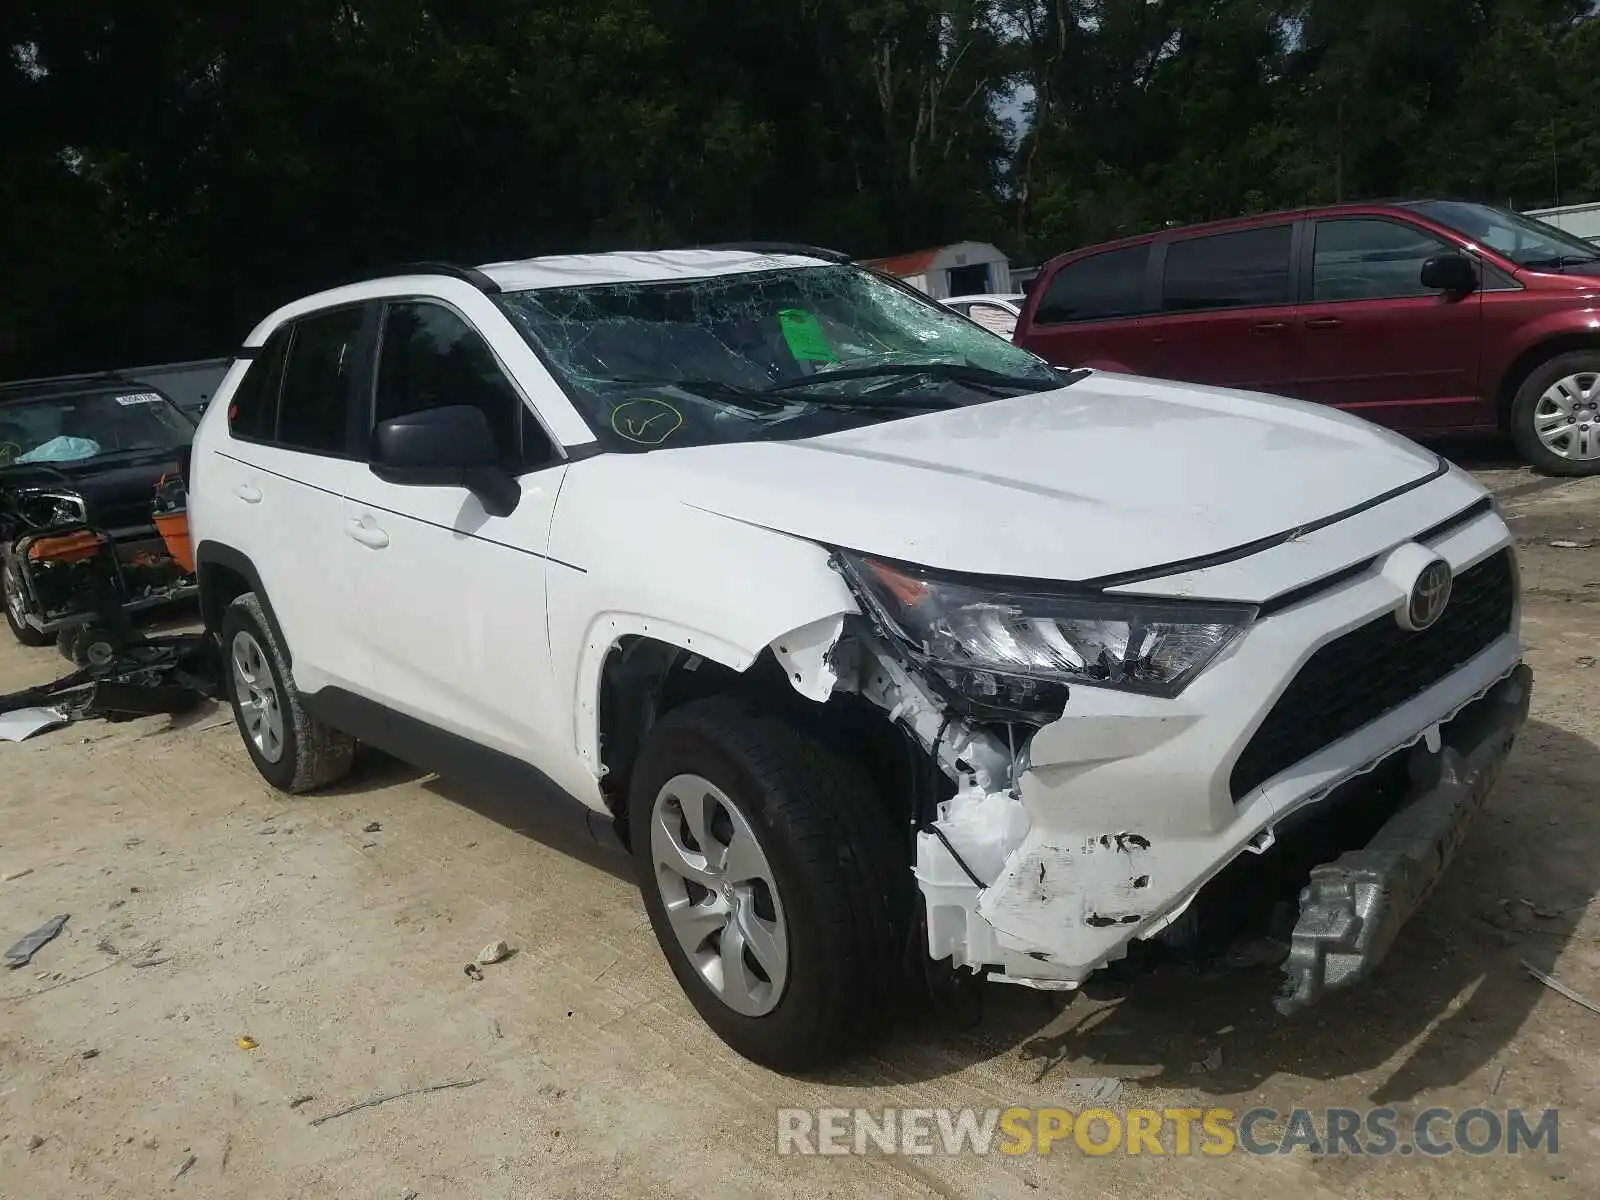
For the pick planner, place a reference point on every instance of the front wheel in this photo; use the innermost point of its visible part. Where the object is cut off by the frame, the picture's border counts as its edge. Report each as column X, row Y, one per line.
column 1555, row 418
column 769, row 872
column 17, row 607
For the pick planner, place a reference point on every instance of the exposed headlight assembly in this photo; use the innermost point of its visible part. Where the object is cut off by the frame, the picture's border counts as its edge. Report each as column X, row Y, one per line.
column 1016, row 646
column 43, row 509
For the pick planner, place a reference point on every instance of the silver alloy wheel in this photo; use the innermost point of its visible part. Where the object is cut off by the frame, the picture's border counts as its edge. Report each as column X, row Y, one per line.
column 1567, row 417
column 16, row 602
column 259, row 707
column 719, row 893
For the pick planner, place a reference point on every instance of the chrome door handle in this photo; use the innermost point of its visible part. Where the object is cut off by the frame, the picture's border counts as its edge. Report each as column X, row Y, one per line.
column 368, row 535
column 1324, row 323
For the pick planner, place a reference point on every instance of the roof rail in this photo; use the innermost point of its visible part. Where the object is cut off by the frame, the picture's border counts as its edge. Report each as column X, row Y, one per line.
column 52, row 382
column 821, row 252
column 470, row 274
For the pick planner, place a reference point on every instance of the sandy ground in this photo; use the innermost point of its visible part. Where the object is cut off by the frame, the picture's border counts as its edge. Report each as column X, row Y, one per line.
column 206, row 908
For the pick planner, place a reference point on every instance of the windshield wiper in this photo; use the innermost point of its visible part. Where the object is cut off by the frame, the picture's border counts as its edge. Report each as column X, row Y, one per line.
column 1564, row 260
column 959, row 372
column 771, row 398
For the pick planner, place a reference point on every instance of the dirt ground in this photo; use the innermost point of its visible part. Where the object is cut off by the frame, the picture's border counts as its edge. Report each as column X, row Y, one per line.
column 206, row 908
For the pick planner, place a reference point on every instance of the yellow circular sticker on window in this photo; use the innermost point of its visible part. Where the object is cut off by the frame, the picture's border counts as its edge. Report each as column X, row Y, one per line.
column 647, row 422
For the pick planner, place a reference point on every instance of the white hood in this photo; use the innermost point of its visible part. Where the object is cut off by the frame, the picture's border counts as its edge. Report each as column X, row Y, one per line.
column 1109, row 475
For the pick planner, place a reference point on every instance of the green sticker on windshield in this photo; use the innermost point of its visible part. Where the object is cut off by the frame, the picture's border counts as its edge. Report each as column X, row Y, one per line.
column 806, row 340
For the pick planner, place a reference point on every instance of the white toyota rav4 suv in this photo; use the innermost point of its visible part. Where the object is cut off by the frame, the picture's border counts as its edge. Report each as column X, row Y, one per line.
column 865, row 631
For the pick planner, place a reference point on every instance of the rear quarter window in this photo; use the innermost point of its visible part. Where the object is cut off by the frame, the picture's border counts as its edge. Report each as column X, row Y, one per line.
column 253, row 409
column 1100, row 287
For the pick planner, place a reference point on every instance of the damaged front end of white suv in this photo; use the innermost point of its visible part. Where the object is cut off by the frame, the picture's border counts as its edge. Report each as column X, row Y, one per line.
column 1111, row 763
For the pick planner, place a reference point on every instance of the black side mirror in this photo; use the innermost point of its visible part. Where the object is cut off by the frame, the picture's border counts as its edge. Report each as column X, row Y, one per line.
column 445, row 447
column 1450, row 273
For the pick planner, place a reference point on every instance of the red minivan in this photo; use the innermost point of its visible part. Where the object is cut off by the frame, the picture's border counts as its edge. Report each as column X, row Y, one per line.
column 1428, row 316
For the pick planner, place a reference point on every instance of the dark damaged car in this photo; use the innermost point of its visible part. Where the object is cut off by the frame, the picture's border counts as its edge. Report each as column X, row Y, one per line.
column 81, row 459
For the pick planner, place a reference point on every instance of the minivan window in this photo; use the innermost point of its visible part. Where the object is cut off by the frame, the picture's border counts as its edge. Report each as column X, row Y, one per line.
column 1525, row 241
column 1366, row 258
column 1097, row 288
column 1228, row 270
column 314, row 411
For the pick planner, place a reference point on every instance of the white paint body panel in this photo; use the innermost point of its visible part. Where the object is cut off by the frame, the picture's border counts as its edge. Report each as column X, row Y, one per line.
column 440, row 648
column 498, row 629
column 1110, row 475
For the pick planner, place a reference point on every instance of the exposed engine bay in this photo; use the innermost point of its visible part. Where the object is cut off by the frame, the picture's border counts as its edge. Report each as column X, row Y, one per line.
column 69, row 577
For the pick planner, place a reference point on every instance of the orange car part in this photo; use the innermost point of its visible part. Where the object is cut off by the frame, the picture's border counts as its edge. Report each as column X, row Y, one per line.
column 173, row 524
column 67, row 548
column 174, row 530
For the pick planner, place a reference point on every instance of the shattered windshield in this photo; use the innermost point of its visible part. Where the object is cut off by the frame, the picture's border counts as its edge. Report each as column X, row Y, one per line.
column 791, row 352
column 67, row 429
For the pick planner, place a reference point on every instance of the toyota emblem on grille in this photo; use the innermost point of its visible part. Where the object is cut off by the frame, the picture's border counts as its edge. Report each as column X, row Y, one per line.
column 1429, row 595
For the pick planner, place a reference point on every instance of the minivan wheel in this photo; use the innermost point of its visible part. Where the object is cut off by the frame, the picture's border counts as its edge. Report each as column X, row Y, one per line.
column 16, row 606
column 293, row 751
column 768, row 870
column 1555, row 419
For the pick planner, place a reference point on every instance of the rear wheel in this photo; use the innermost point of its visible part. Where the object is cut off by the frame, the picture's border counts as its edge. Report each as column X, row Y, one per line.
column 17, row 608
column 292, row 750
column 769, row 872
column 1555, row 419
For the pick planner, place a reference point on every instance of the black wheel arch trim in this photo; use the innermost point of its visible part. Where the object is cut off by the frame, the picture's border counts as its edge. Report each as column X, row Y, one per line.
column 217, row 554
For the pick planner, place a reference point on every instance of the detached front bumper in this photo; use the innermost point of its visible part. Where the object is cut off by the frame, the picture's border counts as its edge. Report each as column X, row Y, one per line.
column 1139, row 826
column 1353, row 908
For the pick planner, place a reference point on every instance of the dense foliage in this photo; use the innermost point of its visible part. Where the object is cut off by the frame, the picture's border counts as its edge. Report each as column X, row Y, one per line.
column 170, row 171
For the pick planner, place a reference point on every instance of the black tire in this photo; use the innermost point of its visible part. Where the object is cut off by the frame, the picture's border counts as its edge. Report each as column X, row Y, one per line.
column 91, row 645
column 312, row 755
column 26, row 634
column 1522, row 420
column 844, row 889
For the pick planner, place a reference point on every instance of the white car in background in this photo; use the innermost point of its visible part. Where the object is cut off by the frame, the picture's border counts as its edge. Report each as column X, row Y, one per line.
column 876, row 639
column 998, row 314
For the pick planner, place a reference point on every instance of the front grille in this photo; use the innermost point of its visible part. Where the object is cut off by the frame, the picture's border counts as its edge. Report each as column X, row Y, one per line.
column 1355, row 679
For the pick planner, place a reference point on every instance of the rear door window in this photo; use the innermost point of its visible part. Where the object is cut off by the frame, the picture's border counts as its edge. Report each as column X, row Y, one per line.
column 1097, row 288
column 1365, row 258
column 1246, row 269
column 318, row 382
